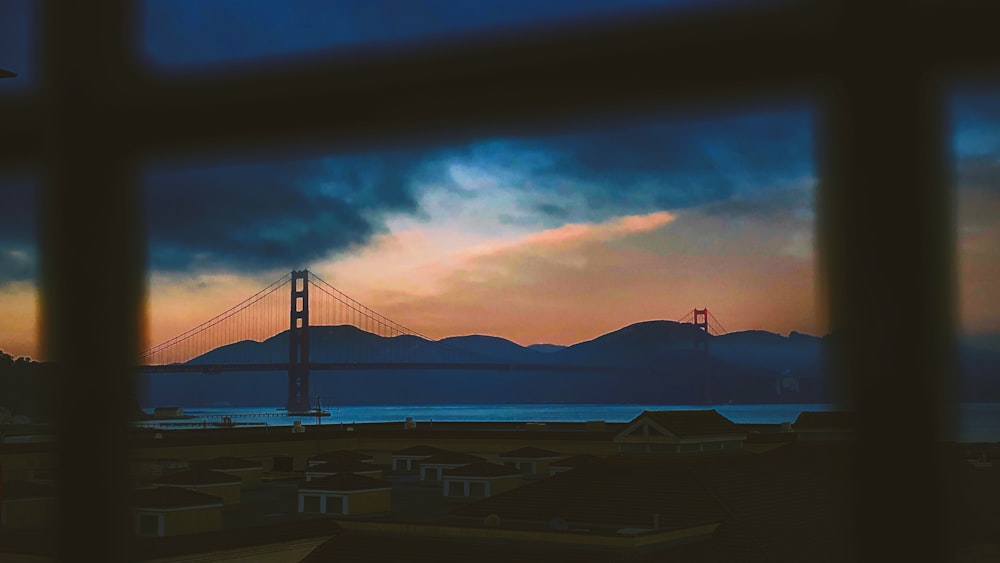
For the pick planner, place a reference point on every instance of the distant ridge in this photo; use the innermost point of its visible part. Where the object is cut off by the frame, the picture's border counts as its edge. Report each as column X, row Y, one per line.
column 752, row 366
column 743, row 367
column 546, row 348
column 639, row 344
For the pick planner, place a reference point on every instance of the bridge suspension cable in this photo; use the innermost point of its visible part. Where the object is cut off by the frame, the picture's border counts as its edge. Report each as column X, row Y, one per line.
column 390, row 326
column 265, row 314
column 215, row 321
column 384, row 326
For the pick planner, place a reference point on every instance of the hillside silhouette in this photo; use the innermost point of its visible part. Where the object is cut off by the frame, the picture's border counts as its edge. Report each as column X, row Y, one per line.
column 663, row 367
column 753, row 366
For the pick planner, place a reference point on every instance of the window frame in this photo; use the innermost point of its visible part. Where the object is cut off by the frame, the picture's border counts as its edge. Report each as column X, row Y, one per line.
column 879, row 71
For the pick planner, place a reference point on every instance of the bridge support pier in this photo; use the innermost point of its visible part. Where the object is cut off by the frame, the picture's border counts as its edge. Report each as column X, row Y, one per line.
column 701, row 346
column 298, row 345
column 298, row 389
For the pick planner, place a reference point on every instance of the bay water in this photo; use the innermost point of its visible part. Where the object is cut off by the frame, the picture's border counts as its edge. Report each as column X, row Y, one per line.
column 978, row 422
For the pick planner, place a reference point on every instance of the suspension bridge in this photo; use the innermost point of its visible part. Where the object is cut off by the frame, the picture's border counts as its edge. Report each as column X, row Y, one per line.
column 264, row 333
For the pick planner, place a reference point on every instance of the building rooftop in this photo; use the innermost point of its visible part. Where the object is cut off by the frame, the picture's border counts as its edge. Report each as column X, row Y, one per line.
column 531, row 453
column 166, row 498
column 419, row 450
column 345, row 482
column 342, row 454
column 228, row 464
column 690, row 424
column 482, row 469
column 614, row 494
column 198, row 476
column 770, row 509
column 793, row 513
column 451, row 458
column 575, row 461
column 343, row 465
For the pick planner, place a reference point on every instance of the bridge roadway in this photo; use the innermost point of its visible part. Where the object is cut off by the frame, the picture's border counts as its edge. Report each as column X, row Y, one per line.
column 386, row 366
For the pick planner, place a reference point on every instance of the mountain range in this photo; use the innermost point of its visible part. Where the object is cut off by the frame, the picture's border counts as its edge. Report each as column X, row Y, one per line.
column 664, row 367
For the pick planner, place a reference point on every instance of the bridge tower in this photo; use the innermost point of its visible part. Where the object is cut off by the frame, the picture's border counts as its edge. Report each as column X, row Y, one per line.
column 298, row 344
column 701, row 346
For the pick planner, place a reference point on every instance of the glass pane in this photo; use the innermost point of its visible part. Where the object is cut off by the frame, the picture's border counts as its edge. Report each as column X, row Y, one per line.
column 17, row 45
column 976, row 141
column 976, row 151
column 27, row 382
column 582, row 232
column 19, row 291
column 187, row 34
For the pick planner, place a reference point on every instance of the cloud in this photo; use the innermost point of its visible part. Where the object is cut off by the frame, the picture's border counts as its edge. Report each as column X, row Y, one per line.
column 17, row 230
column 16, row 265
column 573, row 235
column 260, row 216
column 263, row 215
column 678, row 163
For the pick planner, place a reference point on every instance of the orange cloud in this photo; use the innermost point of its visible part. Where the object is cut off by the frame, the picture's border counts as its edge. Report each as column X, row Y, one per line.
column 578, row 282
column 578, row 233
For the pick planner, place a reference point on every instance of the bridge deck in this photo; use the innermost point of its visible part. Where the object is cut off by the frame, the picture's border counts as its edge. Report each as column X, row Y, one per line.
column 388, row 366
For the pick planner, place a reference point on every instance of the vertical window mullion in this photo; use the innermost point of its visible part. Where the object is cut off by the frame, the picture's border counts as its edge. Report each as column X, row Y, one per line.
column 91, row 269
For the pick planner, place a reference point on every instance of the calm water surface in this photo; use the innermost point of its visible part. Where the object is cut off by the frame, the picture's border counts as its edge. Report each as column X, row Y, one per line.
column 979, row 422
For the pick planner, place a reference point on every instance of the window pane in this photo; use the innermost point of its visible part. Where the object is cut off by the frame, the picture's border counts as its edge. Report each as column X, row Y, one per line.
column 27, row 382
column 545, row 241
column 976, row 141
column 17, row 45
column 18, row 267
column 975, row 110
column 188, row 34
column 26, row 394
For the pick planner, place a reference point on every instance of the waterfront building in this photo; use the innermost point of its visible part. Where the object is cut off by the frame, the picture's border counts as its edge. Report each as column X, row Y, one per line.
column 343, row 465
column 172, row 511
column 408, row 459
column 680, row 432
column 345, row 494
column 572, row 462
column 248, row 471
column 336, row 455
column 764, row 507
column 434, row 466
column 215, row 483
column 530, row 460
column 824, row 425
column 480, row 480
